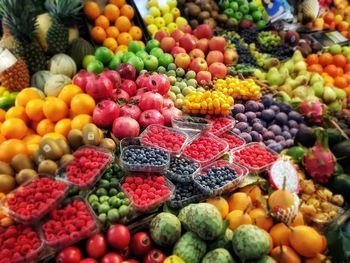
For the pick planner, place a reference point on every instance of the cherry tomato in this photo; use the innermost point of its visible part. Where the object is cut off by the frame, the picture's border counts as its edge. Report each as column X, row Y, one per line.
column 88, row 260
column 96, row 246
column 154, row 256
column 118, row 236
column 69, row 255
column 140, row 244
column 112, row 258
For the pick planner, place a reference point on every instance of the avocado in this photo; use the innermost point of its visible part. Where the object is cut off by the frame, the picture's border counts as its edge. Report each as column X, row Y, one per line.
column 305, row 137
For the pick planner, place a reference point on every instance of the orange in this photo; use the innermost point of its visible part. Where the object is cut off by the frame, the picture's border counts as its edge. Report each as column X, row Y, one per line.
column 317, row 68
column 68, row 92
column 17, row 112
column 98, row 34
column 32, row 139
column 253, row 191
column 2, row 138
column 343, row 26
column 306, row 241
column 123, row 24
column 92, row 10
column 318, row 259
column 34, row 109
column 54, row 135
column 118, row 3
column 30, row 132
column 63, row 127
column 347, row 76
column 340, row 71
column 285, row 254
column 298, row 220
column 121, row 48
column 237, row 218
column 111, row 12
column 136, row 33
column 127, row 11
column 14, row 128
column 331, row 70
column 2, row 115
column 80, row 120
column 124, row 39
column 45, row 126
column 338, row 19
column 261, row 219
column 221, row 204
column 102, row 21
column 32, row 148
column 82, row 104
column 325, row 59
column 341, row 82
column 239, row 201
column 328, row 17
column 340, row 60
column 347, row 68
column 55, row 109
column 110, row 43
column 112, row 31
column 312, row 59
column 280, row 234
column 10, row 148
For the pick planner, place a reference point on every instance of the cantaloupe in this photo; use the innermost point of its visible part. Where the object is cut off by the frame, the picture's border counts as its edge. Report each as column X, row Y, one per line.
column 63, row 64
column 55, row 84
column 40, row 78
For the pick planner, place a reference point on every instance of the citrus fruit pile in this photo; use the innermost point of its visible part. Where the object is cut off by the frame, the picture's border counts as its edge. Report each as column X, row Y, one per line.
column 113, row 26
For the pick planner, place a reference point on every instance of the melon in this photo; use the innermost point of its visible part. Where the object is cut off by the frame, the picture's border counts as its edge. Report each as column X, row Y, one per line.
column 78, row 49
column 55, row 84
column 40, row 78
column 63, row 64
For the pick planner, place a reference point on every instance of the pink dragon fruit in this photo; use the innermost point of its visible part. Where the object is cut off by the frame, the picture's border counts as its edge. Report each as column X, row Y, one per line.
column 319, row 160
column 313, row 110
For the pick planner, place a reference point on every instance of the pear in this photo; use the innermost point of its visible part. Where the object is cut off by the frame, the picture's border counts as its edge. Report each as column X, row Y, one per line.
column 300, row 67
column 285, row 97
column 297, row 56
column 315, row 77
column 272, row 62
column 318, row 88
column 296, row 100
column 259, row 74
column 340, row 93
column 300, row 92
column 302, row 79
column 285, row 88
column 310, row 92
column 292, row 83
column 335, row 106
column 289, row 65
column 329, row 95
column 273, row 77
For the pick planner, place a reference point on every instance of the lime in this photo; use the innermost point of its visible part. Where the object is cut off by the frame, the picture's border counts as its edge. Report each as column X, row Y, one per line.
column 134, row 47
column 126, row 201
column 103, row 182
column 114, row 202
column 95, row 205
column 95, row 66
column 123, row 210
column 6, row 103
column 152, row 44
column 87, row 59
column 103, row 54
column 113, row 215
column 261, row 24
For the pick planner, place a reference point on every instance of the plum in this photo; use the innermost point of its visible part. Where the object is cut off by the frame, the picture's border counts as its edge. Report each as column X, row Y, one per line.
column 249, row 129
column 286, row 135
column 252, row 105
column 277, row 147
column 250, row 116
column 238, row 108
column 289, row 143
column 284, row 107
column 264, row 123
column 242, row 126
column 279, row 138
column 293, row 131
column 281, row 118
column 258, row 114
column 241, row 117
column 293, row 124
column 236, row 131
column 275, row 108
column 256, row 137
column 261, row 106
column 285, row 128
column 246, row 137
column 268, row 114
column 275, row 129
column 268, row 142
column 258, row 127
column 267, row 100
column 268, row 135
column 296, row 116
column 256, row 120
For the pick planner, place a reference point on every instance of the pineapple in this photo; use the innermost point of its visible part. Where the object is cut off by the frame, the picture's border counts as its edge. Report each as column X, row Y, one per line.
column 15, row 77
column 63, row 13
column 20, row 19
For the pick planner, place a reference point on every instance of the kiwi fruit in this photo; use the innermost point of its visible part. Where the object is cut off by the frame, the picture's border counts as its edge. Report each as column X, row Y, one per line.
column 203, row 15
column 206, row 7
column 7, row 183
column 102, row 135
column 5, row 168
column 214, row 14
column 222, row 18
column 193, row 9
column 211, row 22
column 21, row 161
column 47, row 167
column 194, row 23
column 91, row 135
column 50, row 149
column 37, row 157
column 25, row 175
column 75, row 138
column 62, row 143
column 65, row 159
column 108, row 144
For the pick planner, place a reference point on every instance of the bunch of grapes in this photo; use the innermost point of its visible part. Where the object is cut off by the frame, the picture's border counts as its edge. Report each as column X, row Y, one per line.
column 268, row 40
column 249, row 35
column 245, row 57
column 282, row 52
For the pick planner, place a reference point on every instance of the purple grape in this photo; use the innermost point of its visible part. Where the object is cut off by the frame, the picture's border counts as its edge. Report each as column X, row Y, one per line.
column 238, row 108
column 256, row 120
column 289, row 143
column 258, row 114
column 256, row 137
column 250, row 116
column 281, row 118
column 277, row 147
column 275, row 129
column 261, row 106
column 241, row 117
column 264, row 123
column 246, row 137
column 268, row 115
column 285, row 128
column 268, row 142
column 284, row 107
column 251, row 105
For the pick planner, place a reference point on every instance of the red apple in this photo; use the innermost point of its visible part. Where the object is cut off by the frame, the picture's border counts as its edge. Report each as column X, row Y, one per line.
column 217, row 43
column 218, row 70
column 215, row 56
column 177, row 50
column 177, row 34
column 203, row 77
column 160, row 35
column 203, row 31
column 167, row 44
column 186, row 29
column 182, row 60
column 196, row 53
column 203, row 44
column 198, row 64
column 188, row 42
column 230, row 57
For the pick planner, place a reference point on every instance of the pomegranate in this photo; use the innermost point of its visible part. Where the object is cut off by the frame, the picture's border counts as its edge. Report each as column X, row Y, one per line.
column 101, row 88
column 170, row 112
column 82, row 78
column 313, row 110
column 141, row 91
column 151, row 100
column 129, row 86
column 105, row 113
column 120, row 95
column 149, row 117
column 163, row 84
column 142, row 79
column 113, row 76
column 131, row 110
column 135, row 99
column 125, row 127
column 168, row 103
column 319, row 160
column 127, row 71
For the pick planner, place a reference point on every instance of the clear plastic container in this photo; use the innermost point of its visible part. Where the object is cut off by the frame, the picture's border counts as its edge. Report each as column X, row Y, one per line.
column 218, row 128
column 74, row 224
column 179, row 203
column 209, row 158
column 29, row 210
column 161, row 142
column 234, row 141
column 88, row 182
column 255, row 169
column 11, row 233
column 129, row 167
column 192, row 125
column 151, row 204
column 181, row 178
column 241, row 173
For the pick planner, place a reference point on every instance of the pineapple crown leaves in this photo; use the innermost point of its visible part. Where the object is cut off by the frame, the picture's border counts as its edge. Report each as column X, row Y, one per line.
column 66, row 12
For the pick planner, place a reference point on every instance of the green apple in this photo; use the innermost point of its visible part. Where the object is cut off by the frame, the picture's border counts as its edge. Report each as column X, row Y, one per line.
column 151, row 63
column 171, row 73
column 127, row 56
column 229, row 12
column 95, row 66
column 152, row 44
column 142, row 54
column 335, row 49
column 180, row 72
column 176, row 90
column 346, row 51
column 256, row 16
column 261, row 24
column 165, row 59
column 244, row 8
column 233, row 21
column 248, row 17
column 87, row 59
column 103, row 54
column 172, row 95
column 187, row 90
column 134, row 47
column 190, row 74
column 253, row 7
column 241, row 2
column 115, row 62
column 234, row 6
column 136, row 62
column 157, row 52
column 238, row 15
column 224, row 4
